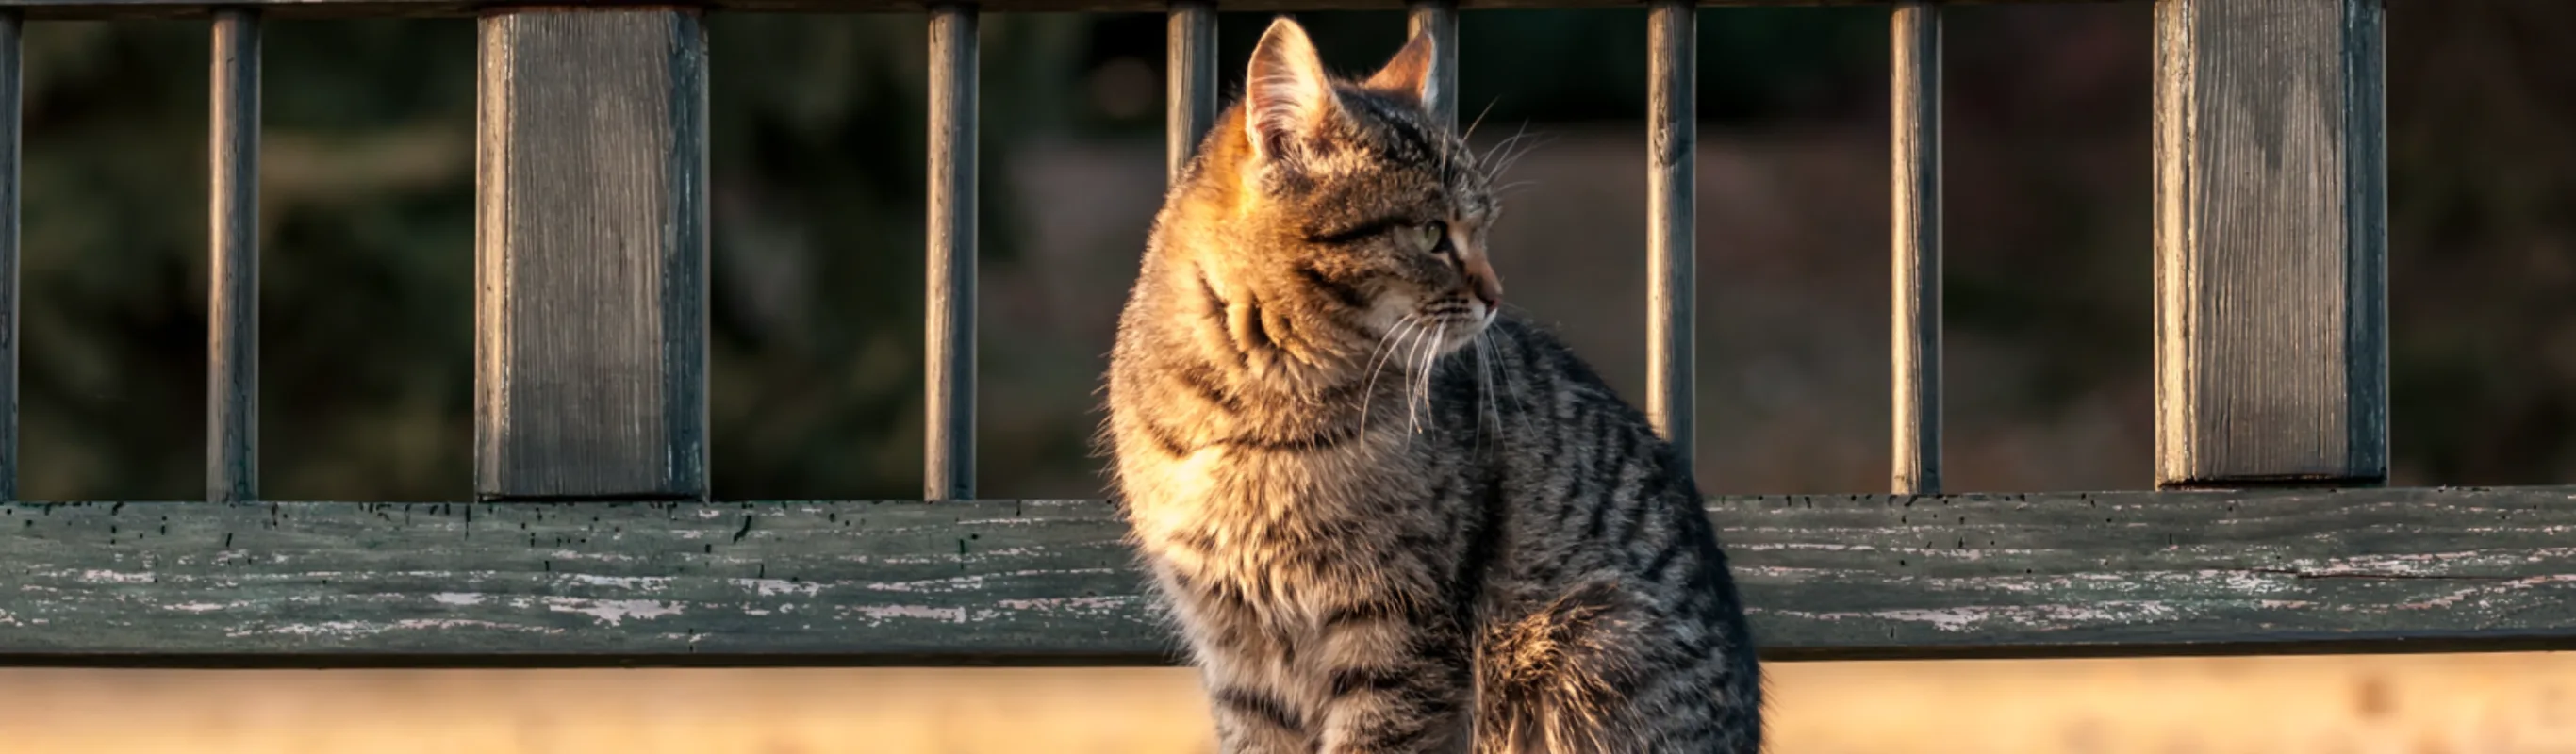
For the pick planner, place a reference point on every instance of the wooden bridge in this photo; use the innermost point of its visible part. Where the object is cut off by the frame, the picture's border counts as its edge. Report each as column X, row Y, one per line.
column 592, row 541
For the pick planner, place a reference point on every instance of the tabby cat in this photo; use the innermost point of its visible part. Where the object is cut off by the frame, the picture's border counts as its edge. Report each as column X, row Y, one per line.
column 1386, row 516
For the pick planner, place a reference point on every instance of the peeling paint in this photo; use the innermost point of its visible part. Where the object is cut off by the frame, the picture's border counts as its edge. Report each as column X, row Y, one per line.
column 775, row 587
column 1946, row 620
column 639, row 583
column 114, row 577
column 1071, row 604
column 347, row 629
column 976, row 581
column 592, row 555
column 458, row 599
column 613, row 612
column 2478, row 594
column 2040, row 618
column 2246, row 582
column 882, row 613
column 1825, row 546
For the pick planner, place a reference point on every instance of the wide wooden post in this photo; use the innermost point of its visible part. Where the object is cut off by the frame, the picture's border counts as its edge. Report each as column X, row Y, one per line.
column 2271, row 243
column 591, row 255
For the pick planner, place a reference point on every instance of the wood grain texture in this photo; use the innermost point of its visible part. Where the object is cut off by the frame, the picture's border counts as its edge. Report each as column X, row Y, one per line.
column 591, row 256
column 1049, row 582
column 1914, row 348
column 1189, row 99
column 98, row 9
column 1672, row 140
column 948, row 354
column 232, row 295
column 1439, row 18
column 11, row 78
column 2271, row 238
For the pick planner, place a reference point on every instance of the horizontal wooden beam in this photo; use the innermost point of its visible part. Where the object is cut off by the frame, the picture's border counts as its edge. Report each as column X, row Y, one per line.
column 1049, row 582
column 101, row 9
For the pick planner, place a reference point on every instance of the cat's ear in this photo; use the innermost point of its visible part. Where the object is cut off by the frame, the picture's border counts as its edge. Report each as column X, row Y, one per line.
column 1286, row 93
column 1410, row 71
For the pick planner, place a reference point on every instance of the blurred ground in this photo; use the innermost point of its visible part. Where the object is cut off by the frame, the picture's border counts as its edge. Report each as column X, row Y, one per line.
column 2426, row 704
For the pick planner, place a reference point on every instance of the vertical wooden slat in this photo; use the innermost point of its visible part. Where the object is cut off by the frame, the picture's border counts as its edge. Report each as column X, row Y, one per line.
column 950, row 419
column 2271, row 243
column 232, row 302
column 591, row 255
column 1190, row 76
column 1914, row 93
column 10, row 24
column 1440, row 18
column 1671, row 150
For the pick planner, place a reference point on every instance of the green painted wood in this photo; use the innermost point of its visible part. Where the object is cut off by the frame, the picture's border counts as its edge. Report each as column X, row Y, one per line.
column 96, row 9
column 1035, row 582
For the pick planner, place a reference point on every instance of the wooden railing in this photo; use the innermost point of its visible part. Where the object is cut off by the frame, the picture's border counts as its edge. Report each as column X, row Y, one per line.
column 593, row 541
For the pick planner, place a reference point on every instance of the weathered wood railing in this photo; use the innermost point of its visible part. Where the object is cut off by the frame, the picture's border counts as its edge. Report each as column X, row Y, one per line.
column 593, row 542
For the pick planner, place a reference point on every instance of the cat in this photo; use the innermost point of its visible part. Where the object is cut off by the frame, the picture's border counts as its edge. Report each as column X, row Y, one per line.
column 1385, row 515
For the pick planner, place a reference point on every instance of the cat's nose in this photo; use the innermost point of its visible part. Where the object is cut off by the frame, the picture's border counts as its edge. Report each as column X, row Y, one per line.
column 1488, row 286
column 1489, row 289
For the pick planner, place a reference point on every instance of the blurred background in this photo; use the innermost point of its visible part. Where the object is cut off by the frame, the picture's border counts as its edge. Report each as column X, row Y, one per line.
column 366, row 229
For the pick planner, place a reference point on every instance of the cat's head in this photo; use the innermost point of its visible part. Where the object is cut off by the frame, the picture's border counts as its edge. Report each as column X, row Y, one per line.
column 1347, row 202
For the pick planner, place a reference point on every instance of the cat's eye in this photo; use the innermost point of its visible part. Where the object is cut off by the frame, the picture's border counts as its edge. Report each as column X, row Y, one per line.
column 1435, row 237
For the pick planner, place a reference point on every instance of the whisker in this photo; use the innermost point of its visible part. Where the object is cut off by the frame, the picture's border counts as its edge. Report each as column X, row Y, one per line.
column 1513, row 159
column 1439, row 337
column 1414, row 397
column 1470, row 133
column 1504, row 146
column 1437, row 344
column 1512, row 150
column 1493, row 399
column 1430, row 361
column 1511, row 188
column 1385, row 348
column 1425, row 338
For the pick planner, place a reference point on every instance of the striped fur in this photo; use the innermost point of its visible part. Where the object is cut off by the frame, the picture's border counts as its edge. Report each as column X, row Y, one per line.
column 1386, row 517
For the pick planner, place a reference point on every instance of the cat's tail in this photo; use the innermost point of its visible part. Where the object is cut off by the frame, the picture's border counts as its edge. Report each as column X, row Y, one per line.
column 1548, row 681
column 1599, row 671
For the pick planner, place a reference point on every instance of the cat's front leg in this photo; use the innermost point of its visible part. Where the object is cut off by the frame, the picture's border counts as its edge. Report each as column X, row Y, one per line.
column 1255, row 703
column 1243, row 664
column 1395, row 686
column 1255, row 722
